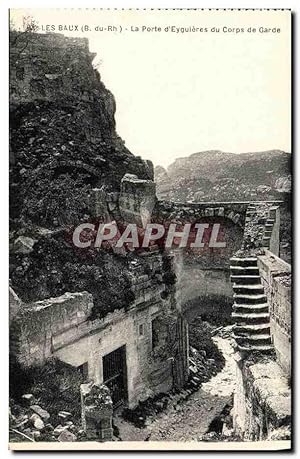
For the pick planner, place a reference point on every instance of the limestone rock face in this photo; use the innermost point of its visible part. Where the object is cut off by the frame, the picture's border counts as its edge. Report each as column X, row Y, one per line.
column 63, row 136
column 65, row 156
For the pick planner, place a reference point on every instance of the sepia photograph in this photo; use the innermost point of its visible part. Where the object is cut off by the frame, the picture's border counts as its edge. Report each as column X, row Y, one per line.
column 150, row 229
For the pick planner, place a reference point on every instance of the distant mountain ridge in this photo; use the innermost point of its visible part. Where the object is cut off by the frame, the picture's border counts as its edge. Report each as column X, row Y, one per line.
column 220, row 176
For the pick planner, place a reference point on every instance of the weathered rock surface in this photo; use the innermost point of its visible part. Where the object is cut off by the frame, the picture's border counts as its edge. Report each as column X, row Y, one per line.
column 64, row 146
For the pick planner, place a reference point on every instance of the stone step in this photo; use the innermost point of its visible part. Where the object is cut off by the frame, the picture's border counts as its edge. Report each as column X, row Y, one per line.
column 251, row 315
column 266, row 242
column 251, row 318
column 255, row 339
column 248, row 309
column 245, row 279
column 248, row 289
column 243, row 261
column 243, row 341
column 243, row 298
column 271, row 221
column 255, row 347
column 252, row 329
column 269, row 226
column 244, row 270
column 268, row 234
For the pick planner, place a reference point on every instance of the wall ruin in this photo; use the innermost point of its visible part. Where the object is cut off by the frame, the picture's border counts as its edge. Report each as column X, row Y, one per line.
column 61, row 327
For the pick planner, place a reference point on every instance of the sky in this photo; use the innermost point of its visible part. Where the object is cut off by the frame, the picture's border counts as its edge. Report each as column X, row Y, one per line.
column 181, row 93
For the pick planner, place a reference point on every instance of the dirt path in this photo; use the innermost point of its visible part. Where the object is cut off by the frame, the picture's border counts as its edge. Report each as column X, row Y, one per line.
column 190, row 419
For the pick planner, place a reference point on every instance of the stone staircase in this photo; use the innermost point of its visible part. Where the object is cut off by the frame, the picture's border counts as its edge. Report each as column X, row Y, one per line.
column 250, row 309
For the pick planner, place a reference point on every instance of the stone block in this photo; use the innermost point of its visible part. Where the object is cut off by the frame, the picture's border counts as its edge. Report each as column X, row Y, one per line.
column 67, row 436
column 97, row 411
column 37, row 422
column 137, row 199
column 40, row 412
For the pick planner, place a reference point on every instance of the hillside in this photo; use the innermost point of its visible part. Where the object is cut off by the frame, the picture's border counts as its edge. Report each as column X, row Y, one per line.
column 218, row 176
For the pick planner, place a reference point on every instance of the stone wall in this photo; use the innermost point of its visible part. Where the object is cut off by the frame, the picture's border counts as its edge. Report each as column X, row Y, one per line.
column 205, row 292
column 276, row 278
column 262, row 401
column 44, row 326
column 274, row 237
column 116, row 330
column 61, row 327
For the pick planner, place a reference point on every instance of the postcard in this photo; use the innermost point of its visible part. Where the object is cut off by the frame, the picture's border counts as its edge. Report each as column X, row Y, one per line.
column 150, row 229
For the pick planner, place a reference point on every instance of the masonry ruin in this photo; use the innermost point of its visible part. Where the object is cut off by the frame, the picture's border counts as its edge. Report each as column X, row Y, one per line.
column 125, row 328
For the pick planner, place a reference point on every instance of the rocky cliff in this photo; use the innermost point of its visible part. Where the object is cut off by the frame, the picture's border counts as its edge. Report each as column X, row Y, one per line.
column 63, row 145
column 63, row 137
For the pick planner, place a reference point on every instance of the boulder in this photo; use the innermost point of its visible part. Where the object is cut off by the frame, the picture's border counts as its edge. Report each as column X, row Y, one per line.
column 24, row 244
column 28, row 399
column 67, row 436
column 41, row 412
column 37, row 422
column 59, row 429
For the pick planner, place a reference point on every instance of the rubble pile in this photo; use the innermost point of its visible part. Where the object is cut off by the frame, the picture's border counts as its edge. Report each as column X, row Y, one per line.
column 30, row 422
column 36, row 411
column 201, row 368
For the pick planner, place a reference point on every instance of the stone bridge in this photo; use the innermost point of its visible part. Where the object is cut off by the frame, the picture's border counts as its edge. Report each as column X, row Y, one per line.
column 204, row 276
